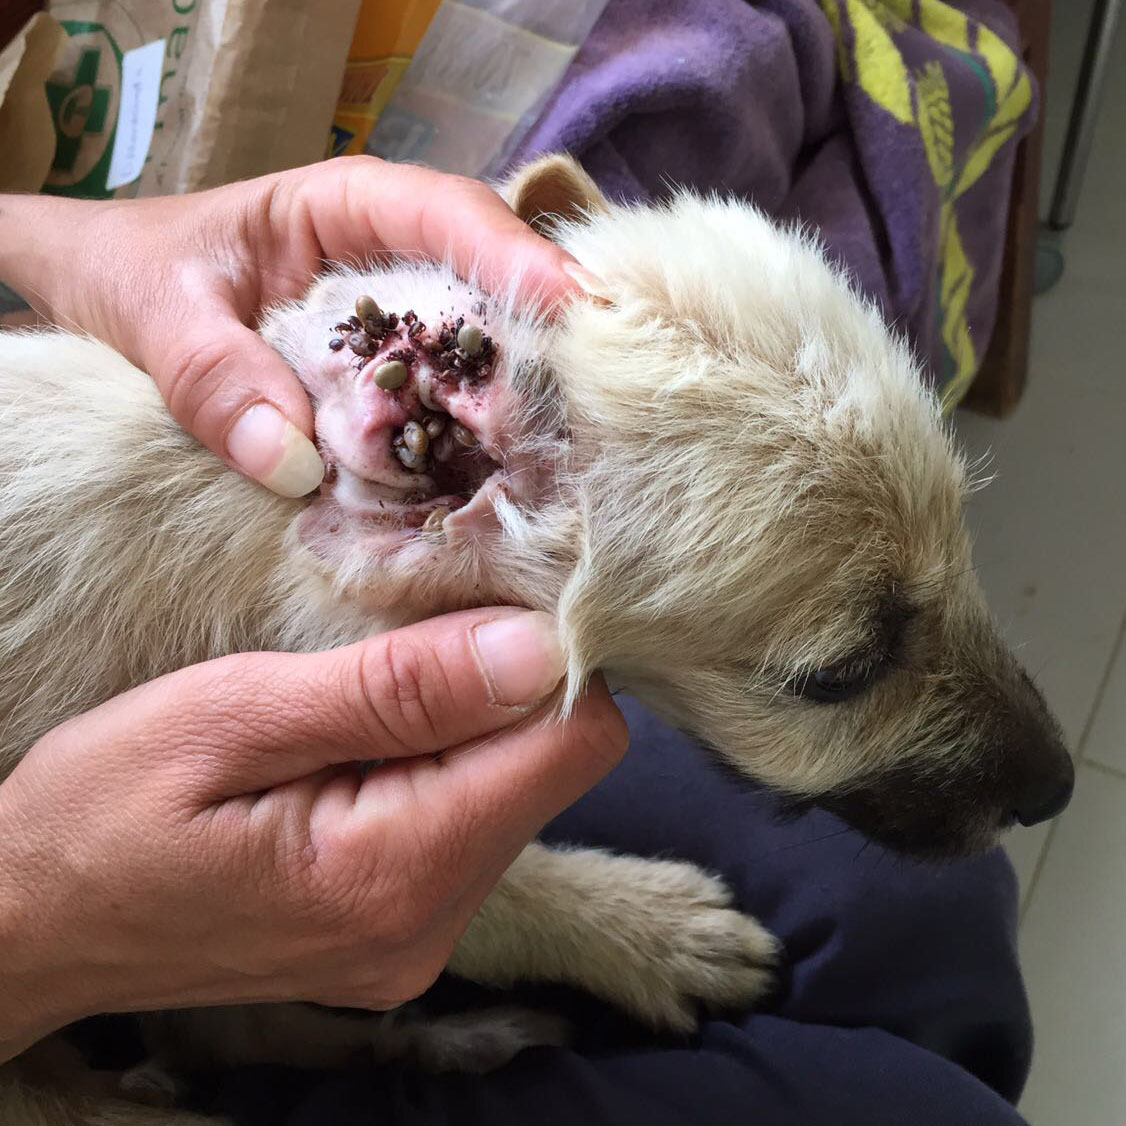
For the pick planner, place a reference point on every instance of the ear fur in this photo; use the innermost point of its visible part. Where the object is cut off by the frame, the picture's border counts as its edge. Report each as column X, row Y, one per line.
column 551, row 188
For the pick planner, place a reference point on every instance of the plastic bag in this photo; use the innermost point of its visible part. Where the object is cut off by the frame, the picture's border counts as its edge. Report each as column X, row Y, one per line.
column 478, row 81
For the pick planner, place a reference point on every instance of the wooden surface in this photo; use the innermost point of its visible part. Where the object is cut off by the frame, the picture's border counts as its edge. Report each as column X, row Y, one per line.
column 997, row 388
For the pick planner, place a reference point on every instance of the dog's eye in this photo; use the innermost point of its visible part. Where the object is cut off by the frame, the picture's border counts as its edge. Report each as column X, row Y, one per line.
column 834, row 685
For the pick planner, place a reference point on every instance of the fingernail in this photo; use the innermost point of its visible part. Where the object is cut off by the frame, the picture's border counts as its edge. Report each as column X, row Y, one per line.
column 520, row 656
column 591, row 285
column 268, row 447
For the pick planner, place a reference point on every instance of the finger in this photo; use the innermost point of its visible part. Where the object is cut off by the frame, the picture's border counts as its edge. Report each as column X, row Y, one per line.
column 250, row 722
column 463, row 818
column 484, row 801
column 229, row 388
column 404, row 208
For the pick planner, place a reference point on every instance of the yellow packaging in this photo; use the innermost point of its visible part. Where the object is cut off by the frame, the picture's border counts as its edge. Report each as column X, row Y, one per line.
column 387, row 34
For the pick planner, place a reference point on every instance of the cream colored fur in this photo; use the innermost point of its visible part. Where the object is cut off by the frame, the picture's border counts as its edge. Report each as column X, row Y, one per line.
column 729, row 466
column 734, row 408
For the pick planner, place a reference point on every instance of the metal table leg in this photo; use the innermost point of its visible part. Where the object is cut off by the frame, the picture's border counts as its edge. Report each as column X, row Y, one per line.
column 1084, row 113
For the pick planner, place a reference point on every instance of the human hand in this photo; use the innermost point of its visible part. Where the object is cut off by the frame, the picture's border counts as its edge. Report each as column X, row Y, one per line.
column 173, row 283
column 206, row 838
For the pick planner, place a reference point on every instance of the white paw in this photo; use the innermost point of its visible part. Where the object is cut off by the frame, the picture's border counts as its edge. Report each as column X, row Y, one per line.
column 672, row 941
column 150, row 1085
column 482, row 1041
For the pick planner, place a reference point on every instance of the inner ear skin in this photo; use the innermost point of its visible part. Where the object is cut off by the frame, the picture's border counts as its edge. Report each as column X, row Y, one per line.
column 552, row 198
column 551, row 189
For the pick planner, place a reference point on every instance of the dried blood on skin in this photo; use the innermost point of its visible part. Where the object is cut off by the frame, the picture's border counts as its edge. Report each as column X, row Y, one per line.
column 449, row 358
column 459, row 375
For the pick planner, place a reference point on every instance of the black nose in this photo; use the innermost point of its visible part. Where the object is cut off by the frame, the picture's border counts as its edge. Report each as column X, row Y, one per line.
column 1047, row 795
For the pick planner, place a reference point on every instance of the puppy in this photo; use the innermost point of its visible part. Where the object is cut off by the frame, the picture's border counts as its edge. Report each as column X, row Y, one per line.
column 720, row 471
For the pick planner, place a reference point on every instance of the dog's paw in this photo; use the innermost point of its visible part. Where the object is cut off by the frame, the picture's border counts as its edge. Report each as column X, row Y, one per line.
column 479, row 1042
column 674, row 942
column 150, row 1085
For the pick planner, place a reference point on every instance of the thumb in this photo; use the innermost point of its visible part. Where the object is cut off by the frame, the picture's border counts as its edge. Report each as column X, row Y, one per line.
column 498, row 792
column 229, row 388
column 253, row 721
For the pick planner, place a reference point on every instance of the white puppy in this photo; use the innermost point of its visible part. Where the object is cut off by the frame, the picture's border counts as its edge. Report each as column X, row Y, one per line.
column 720, row 471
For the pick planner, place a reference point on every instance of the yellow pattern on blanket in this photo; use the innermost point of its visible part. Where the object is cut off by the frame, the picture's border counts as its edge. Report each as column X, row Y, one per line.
column 871, row 59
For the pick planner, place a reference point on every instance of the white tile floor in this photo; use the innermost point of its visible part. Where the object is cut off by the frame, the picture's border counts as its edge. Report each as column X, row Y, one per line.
column 1051, row 541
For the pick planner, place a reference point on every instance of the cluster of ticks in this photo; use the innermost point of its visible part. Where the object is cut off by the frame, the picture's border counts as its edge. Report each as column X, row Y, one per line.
column 457, row 350
column 457, row 347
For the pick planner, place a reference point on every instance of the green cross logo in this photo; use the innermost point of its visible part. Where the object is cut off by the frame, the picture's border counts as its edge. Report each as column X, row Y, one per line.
column 79, row 107
column 84, row 92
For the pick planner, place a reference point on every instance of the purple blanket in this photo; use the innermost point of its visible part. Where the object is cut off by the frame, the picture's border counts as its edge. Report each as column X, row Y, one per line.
column 889, row 125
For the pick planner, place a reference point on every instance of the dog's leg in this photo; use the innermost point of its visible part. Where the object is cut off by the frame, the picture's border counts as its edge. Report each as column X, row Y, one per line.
column 50, row 1085
column 652, row 936
column 308, row 1036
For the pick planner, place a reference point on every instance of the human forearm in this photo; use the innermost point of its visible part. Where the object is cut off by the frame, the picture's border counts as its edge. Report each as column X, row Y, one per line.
column 35, row 997
column 39, row 234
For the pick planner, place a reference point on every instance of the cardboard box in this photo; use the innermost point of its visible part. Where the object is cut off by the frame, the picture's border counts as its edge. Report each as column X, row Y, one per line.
column 150, row 97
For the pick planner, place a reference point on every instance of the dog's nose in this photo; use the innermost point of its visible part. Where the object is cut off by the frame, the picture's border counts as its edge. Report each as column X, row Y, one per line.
column 1047, row 795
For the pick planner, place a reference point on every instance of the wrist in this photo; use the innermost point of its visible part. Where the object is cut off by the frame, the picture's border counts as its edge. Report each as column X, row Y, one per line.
column 33, row 1000
column 24, row 1016
column 33, row 230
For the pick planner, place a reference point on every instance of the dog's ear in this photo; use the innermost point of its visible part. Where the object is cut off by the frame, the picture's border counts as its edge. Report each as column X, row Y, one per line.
column 551, row 188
